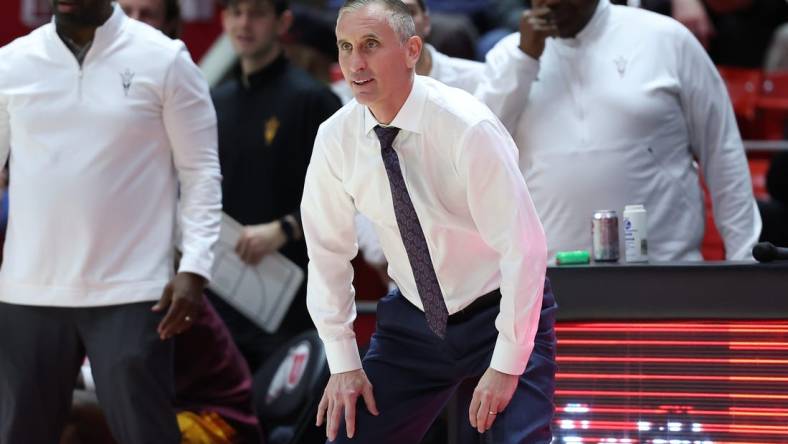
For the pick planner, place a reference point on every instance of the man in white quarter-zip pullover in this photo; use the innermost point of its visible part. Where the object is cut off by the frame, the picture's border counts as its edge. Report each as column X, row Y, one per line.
column 615, row 111
column 103, row 120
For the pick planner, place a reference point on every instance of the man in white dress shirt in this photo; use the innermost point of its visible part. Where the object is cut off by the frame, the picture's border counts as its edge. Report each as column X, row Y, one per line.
column 617, row 110
column 436, row 173
column 109, row 126
column 453, row 71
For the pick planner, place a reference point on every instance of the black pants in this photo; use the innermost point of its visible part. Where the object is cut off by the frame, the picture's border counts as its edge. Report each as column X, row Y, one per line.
column 42, row 349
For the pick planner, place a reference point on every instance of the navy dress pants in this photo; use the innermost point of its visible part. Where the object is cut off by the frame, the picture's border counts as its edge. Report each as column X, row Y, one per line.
column 414, row 373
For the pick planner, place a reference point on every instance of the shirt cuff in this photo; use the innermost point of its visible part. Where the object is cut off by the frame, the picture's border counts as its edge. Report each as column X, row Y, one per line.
column 526, row 63
column 201, row 267
column 510, row 358
column 342, row 355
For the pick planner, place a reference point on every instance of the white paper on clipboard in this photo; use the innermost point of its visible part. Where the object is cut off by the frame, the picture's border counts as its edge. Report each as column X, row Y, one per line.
column 262, row 292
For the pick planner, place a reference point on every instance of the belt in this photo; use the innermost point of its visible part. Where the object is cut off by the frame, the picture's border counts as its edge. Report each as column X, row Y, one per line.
column 481, row 303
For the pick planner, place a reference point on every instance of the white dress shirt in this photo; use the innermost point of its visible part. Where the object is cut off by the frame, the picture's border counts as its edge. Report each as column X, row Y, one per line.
column 460, row 167
column 617, row 116
column 453, row 71
column 97, row 154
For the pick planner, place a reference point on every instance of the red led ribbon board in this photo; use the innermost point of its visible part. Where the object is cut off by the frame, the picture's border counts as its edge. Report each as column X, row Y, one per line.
column 685, row 382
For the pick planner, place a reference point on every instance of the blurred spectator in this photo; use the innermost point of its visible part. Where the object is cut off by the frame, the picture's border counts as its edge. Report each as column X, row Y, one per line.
column 269, row 112
column 777, row 56
column 775, row 210
column 164, row 15
column 624, row 102
column 735, row 32
column 310, row 42
column 491, row 20
column 467, row 28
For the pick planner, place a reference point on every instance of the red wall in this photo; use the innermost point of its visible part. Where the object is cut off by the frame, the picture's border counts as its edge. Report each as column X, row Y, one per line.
column 198, row 36
column 11, row 26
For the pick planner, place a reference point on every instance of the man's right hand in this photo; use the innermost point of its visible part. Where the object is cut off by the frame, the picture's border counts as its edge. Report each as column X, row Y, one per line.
column 536, row 25
column 256, row 241
column 340, row 395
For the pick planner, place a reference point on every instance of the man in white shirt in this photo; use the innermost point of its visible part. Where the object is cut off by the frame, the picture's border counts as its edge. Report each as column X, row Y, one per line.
column 436, row 173
column 453, row 71
column 109, row 126
column 615, row 111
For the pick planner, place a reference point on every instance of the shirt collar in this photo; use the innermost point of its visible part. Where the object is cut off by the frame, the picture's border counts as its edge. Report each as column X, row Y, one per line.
column 409, row 117
column 592, row 28
column 105, row 33
column 112, row 26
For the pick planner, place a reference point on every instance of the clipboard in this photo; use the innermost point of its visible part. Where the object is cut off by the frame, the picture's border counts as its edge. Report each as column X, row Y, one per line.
column 263, row 292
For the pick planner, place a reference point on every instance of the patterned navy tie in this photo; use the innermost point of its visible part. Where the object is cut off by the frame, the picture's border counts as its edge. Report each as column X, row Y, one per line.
column 413, row 236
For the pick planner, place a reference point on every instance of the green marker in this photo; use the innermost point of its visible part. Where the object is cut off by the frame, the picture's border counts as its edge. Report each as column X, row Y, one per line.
column 572, row 257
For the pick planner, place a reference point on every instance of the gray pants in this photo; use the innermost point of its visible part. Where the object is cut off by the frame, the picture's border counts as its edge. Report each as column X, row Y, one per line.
column 42, row 349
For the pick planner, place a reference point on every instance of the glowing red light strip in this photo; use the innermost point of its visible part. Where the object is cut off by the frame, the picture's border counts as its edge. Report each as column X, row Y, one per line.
column 671, row 377
column 599, row 359
column 602, row 438
column 592, row 410
column 745, row 428
column 689, row 324
column 757, row 409
column 661, row 411
column 672, row 327
column 706, row 427
column 663, row 343
column 635, row 394
column 638, row 330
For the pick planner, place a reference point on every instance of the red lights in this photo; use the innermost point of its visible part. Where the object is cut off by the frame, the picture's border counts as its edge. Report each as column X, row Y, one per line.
column 662, row 382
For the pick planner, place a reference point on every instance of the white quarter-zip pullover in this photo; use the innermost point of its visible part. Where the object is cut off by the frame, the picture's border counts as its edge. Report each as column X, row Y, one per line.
column 97, row 155
column 617, row 116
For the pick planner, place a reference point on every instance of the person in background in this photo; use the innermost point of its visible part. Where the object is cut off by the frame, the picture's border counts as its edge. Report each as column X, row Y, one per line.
column 164, row 15
column 268, row 112
column 610, row 106
column 119, row 121
column 743, row 33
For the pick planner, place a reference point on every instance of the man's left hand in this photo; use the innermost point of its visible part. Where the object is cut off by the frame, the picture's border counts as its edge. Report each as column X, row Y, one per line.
column 491, row 396
column 183, row 296
column 258, row 240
